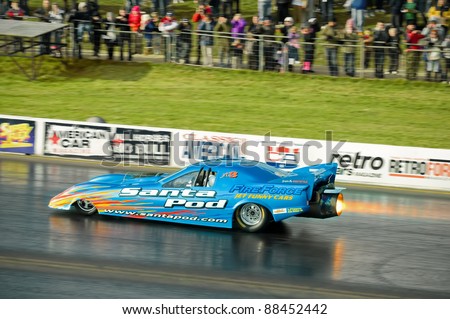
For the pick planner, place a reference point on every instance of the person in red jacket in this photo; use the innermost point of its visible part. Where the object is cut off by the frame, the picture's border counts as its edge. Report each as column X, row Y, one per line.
column 15, row 12
column 134, row 19
column 413, row 51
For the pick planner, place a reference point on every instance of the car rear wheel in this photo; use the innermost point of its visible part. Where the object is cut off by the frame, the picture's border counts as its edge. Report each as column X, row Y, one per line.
column 85, row 207
column 252, row 217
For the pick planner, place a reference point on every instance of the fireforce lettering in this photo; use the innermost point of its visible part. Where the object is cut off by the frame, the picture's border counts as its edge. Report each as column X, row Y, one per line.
column 271, row 189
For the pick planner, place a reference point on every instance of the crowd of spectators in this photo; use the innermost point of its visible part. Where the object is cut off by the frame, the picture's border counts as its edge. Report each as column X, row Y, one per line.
column 416, row 28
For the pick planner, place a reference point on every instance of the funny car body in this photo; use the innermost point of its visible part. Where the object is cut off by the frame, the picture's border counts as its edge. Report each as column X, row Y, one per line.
column 219, row 193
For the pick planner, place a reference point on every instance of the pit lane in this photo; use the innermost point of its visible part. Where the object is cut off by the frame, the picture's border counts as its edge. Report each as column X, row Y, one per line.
column 387, row 244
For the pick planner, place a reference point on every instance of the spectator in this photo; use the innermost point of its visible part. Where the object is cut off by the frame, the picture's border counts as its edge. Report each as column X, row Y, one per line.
column 4, row 7
column 111, row 36
column 152, row 34
column 309, row 31
column 252, row 44
column 379, row 6
column 441, row 12
column 130, row 4
column 134, row 19
column 125, row 33
column 368, row 47
column 264, row 9
column 238, row 8
column 185, row 40
column 326, row 7
column 160, row 6
column 205, row 28
column 266, row 30
column 432, row 25
column 433, row 56
column 370, row 10
column 43, row 13
column 283, row 52
column 283, row 9
column 199, row 14
column 393, row 50
column 167, row 26
column 227, row 8
column 238, row 25
column 253, row 24
column 237, row 53
column 413, row 52
column 16, row 13
column 81, row 20
column 97, row 27
column 446, row 56
column 299, row 11
column 215, row 7
column 23, row 4
column 223, row 28
column 396, row 13
column 198, row 17
column 350, row 41
column 380, row 39
column 409, row 10
column 358, row 7
column 205, row 8
column 331, row 36
column 422, row 6
column 293, row 45
column 56, row 15
column 288, row 22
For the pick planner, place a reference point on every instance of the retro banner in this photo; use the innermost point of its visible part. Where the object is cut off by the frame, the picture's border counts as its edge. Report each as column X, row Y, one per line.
column 145, row 147
column 17, row 136
column 77, row 140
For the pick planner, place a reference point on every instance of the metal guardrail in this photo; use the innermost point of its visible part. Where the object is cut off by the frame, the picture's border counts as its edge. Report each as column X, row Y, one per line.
column 256, row 52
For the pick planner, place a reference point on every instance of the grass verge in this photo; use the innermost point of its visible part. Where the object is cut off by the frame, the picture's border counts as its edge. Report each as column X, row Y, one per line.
column 395, row 112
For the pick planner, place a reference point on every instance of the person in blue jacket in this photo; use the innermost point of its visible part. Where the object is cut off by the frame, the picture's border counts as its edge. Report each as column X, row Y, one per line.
column 358, row 9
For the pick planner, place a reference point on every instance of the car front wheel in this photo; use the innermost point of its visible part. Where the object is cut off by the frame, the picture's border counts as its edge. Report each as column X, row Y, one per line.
column 252, row 217
column 85, row 207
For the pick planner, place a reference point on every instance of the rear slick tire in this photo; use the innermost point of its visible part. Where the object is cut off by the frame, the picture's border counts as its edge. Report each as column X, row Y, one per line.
column 252, row 217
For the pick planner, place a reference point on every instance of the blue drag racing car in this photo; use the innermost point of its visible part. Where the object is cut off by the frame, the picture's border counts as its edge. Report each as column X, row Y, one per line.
column 218, row 193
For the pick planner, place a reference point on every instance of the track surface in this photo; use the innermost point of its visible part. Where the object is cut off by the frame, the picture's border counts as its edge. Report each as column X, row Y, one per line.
column 388, row 244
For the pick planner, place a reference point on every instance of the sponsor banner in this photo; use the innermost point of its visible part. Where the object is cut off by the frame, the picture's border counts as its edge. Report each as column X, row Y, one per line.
column 17, row 135
column 190, row 147
column 385, row 165
column 141, row 146
column 77, row 140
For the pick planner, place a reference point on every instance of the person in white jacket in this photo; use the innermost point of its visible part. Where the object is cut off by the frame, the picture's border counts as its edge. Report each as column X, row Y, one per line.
column 167, row 26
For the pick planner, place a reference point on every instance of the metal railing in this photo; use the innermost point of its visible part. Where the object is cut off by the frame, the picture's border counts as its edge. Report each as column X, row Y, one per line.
column 258, row 52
